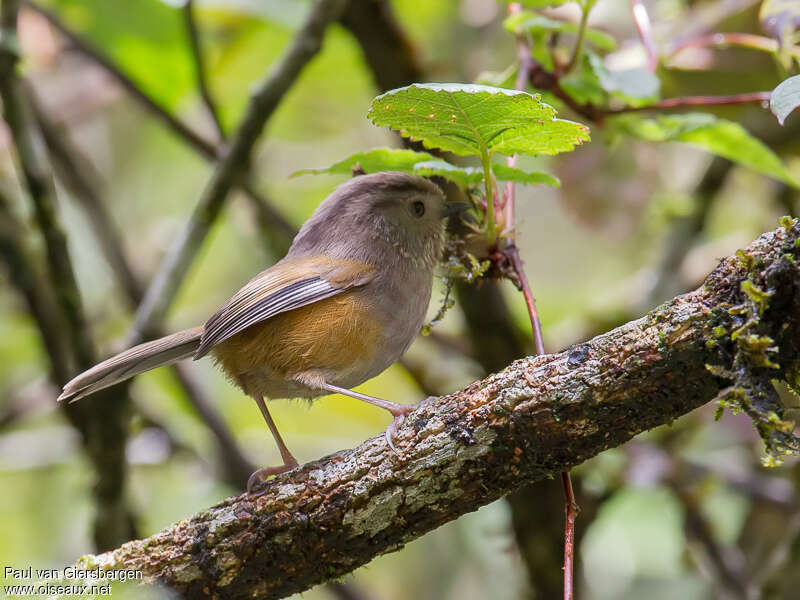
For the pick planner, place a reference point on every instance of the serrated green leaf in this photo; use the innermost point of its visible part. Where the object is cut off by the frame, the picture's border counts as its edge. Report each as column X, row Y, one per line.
column 463, row 176
column 473, row 119
column 506, row 173
column 719, row 136
column 538, row 25
column 785, row 98
column 407, row 161
column 372, row 161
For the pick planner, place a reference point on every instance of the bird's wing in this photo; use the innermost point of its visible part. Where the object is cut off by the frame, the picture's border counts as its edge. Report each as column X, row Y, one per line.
column 287, row 285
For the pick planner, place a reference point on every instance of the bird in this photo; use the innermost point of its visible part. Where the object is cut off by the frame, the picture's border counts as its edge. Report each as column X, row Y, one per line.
column 345, row 303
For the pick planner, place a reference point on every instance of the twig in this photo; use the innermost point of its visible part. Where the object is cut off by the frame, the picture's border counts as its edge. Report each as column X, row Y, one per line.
column 199, row 144
column 578, row 49
column 512, row 253
column 745, row 98
column 131, row 87
column 265, row 99
column 387, row 50
column 516, row 262
column 199, row 67
column 78, row 176
column 25, row 277
column 642, row 21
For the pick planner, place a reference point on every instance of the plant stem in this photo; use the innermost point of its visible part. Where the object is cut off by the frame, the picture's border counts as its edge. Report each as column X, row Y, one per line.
column 491, row 233
column 642, row 21
column 576, row 53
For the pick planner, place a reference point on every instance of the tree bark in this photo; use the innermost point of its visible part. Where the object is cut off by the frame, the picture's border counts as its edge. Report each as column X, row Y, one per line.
column 536, row 418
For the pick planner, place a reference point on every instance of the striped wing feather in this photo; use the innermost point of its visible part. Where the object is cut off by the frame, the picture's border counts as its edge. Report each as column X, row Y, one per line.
column 289, row 284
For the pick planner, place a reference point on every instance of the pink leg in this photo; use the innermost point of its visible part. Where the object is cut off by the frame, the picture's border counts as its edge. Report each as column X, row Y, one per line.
column 398, row 411
column 289, row 461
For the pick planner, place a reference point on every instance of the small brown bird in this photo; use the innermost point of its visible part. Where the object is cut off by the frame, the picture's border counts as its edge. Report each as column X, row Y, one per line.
column 344, row 304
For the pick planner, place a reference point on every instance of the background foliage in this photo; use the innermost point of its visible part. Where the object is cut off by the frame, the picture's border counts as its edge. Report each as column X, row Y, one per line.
column 639, row 217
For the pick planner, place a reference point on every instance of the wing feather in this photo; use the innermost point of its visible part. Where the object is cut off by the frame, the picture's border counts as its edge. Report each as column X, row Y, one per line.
column 278, row 290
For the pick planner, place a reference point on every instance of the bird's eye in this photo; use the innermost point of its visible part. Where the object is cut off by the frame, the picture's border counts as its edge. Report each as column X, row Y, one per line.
column 418, row 208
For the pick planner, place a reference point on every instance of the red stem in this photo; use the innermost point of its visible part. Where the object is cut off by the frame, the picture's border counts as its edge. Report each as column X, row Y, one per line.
column 642, row 22
column 526, row 67
column 698, row 101
column 570, row 511
column 516, row 262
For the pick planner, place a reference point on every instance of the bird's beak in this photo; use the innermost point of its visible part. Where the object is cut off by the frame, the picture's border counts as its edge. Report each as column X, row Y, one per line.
column 455, row 208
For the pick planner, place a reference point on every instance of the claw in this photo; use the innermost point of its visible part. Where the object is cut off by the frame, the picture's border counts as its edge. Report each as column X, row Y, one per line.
column 260, row 476
column 391, row 430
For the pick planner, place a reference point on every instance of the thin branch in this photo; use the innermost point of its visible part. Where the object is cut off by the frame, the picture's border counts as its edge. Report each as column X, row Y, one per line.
column 538, row 417
column 745, row 98
column 198, row 143
column 77, row 174
column 34, row 289
column 578, row 49
column 267, row 96
column 516, row 262
column 642, row 21
column 200, row 68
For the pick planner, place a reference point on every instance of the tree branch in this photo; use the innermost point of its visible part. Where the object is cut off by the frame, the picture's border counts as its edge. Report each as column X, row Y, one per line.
column 536, row 418
column 263, row 103
column 199, row 67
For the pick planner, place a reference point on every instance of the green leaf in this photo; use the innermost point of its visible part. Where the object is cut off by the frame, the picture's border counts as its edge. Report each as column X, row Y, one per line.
column 475, row 119
column 506, row 173
column 636, row 87
column 785, row 98
column 146, row 39
column 538, row 25
column 407, row 161
column 719, row 136
column 372, row 161
column 463, row 176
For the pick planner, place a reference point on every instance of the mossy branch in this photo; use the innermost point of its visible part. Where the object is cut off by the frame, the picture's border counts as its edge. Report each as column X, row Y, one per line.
column 534, row 419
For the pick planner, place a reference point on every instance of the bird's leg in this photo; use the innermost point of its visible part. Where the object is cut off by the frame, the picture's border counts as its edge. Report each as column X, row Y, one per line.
column 289, row 461
column 398, row 411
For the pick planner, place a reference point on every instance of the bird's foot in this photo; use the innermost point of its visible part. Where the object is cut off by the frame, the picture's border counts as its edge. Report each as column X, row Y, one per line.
column 399, row 411
column 261, row 475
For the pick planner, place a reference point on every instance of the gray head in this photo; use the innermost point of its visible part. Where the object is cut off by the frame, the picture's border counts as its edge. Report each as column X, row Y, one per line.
column 387, row 216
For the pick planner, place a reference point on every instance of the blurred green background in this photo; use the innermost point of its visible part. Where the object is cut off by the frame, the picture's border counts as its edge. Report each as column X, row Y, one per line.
column 592, row 250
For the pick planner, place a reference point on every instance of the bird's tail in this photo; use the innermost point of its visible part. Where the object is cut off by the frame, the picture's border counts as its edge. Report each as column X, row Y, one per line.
column 141, row 358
